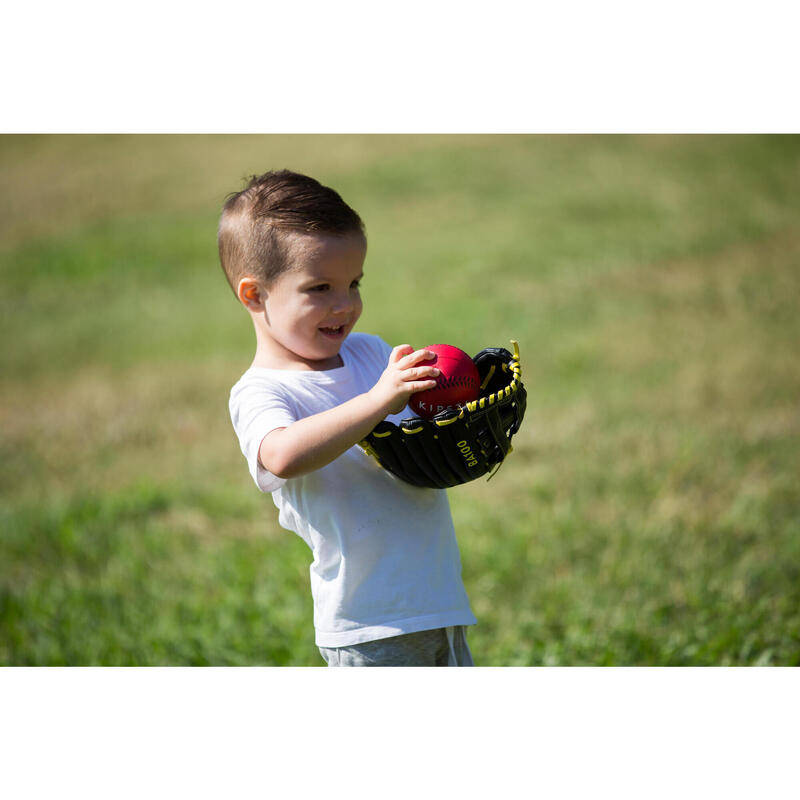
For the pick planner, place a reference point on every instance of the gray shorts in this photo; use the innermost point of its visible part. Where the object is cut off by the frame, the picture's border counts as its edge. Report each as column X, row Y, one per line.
column 440, row 647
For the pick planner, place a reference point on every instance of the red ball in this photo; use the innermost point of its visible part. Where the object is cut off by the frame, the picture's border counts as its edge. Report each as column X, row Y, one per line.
column 458, row 382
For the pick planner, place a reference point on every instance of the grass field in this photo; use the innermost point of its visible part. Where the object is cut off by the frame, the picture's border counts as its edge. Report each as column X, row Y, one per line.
column 650, row 513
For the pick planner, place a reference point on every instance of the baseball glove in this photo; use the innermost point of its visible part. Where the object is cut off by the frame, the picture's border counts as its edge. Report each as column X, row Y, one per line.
column 457, row 446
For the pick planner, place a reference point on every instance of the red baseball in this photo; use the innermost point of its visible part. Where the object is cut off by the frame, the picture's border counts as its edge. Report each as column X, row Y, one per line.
column 457, row 383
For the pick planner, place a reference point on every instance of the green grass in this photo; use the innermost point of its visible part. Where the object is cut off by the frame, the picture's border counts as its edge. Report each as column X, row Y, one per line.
column 650, row 513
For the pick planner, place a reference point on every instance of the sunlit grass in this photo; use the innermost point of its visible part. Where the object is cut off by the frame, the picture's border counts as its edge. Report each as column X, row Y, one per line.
column 650, row 513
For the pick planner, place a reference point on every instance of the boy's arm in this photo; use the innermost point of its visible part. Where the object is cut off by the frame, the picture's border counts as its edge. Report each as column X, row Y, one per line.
column 315, row 441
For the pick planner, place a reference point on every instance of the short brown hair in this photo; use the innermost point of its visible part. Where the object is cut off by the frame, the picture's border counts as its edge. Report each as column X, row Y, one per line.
column 249, row 235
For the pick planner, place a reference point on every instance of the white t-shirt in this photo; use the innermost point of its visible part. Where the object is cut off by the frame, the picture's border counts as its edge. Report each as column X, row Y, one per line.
column 385, row 557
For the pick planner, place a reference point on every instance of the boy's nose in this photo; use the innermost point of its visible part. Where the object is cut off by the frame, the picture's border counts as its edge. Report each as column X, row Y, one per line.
column 343, row 304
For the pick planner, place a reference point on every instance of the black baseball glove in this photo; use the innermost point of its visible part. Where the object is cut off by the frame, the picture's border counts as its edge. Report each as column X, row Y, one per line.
column 457, row 446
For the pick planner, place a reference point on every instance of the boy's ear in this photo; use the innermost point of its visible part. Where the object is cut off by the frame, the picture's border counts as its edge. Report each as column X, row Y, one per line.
column 251, row 294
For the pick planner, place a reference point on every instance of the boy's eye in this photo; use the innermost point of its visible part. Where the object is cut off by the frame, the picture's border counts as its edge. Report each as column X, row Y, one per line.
column 355, row 285
column 322, row 287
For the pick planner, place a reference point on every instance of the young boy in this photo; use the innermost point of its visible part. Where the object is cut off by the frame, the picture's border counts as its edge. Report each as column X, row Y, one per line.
column 386, row 572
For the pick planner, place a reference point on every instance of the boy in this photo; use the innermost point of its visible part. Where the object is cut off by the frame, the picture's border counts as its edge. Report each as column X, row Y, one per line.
column 386, row 572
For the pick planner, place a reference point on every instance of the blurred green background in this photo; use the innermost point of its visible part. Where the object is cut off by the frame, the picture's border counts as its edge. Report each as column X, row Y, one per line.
column 650, row 513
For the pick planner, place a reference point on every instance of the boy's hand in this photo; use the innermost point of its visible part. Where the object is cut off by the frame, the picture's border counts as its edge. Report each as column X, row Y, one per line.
column 405, row 375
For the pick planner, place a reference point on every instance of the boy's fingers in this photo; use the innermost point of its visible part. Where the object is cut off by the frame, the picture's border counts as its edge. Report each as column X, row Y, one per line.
column 400, row 351
column 420, row 386
column 416, row 373
column 415, row 357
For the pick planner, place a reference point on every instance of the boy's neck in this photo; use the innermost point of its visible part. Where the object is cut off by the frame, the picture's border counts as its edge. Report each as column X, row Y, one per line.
column 299, row 365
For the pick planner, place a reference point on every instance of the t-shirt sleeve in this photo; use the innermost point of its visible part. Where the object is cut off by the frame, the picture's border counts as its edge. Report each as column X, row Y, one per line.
column 258, row 409
column 384, row 350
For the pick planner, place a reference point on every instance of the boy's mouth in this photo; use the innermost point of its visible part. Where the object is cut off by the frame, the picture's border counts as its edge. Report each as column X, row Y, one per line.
column 333, row 333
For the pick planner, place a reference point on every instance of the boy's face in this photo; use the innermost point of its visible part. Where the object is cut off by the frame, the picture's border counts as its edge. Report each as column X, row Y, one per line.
column 311, row 308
